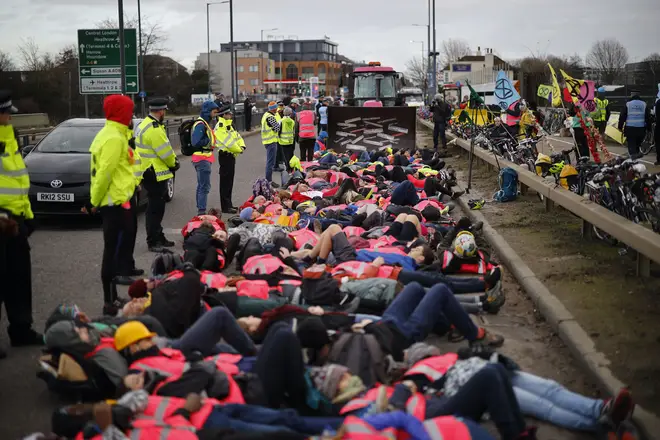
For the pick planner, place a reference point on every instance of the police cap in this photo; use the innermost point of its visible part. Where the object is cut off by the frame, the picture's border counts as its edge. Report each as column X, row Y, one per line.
column 280, row 103
column 224, row 110
column 158, row 104
column 6, row 105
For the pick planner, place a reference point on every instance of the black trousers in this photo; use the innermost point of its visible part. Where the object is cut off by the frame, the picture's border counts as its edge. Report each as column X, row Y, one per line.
column 306, row 149
column 133, row 237
column 156, row 192
column 227, row 164
column 248, row 120
column 16, row 280
column 439, row 128
column 288, row 154
column 118, row 225
column 582, row 142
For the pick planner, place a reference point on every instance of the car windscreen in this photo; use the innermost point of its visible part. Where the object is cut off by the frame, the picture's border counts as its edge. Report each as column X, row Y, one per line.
column 69, row 139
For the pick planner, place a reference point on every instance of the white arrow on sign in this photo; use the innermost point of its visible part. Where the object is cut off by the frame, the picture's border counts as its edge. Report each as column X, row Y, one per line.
column 82, row 48
column 84, row 71
column 132, row 84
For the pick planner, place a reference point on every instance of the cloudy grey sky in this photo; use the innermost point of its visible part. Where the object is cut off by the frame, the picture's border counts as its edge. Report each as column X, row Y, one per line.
column 364, row 29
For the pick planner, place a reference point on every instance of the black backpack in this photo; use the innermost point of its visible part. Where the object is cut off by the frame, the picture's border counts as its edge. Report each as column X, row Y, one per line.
column 362, row 355
column 185, row 135
column 323, row 291
column 166, row 262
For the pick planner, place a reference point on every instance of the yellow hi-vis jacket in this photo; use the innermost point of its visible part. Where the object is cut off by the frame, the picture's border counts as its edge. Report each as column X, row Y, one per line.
column 268, row 136
column 14, row 178
column 112, row 179
column 227, row 139
column 154, row 148
column 288, row 127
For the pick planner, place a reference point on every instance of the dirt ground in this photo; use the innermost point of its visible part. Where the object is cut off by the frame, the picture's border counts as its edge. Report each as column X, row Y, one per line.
column 594, row 280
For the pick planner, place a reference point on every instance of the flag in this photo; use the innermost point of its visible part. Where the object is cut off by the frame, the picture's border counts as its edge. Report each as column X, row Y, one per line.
column 505, row 92
column 581, row 91
column 474, row 96
column 544, row 91
column 556, row 91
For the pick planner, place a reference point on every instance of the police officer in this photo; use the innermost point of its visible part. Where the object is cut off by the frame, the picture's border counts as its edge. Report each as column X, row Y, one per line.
column 159, row 162
column 635, row 116
column 15, row 228
column 602, row 113
column 230, row 144
column 112, row 186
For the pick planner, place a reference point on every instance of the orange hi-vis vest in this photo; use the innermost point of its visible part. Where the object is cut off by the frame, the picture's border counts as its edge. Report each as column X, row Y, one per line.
column 214, row 280
column 171, row 364
column 306, row 124
column 480, row 267
column 416, row 404
column 433, row 368
column 510, row 119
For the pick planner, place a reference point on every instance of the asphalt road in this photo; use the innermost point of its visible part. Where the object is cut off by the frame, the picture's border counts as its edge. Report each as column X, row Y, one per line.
column 66, row 255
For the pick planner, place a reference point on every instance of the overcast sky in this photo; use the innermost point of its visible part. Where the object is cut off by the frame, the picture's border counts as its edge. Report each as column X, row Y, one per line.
column 364, row 29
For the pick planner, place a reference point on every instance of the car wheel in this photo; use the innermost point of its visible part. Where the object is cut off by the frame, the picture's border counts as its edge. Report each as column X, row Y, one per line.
column 170, row 190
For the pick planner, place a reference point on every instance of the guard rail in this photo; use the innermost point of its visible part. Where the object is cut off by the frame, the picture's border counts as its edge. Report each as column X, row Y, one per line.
column 644, row 241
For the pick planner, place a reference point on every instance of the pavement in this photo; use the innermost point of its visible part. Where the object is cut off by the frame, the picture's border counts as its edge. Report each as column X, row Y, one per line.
column 66, row 258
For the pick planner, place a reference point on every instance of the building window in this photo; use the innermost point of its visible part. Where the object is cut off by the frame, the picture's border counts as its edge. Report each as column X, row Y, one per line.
column 307, row 72
column 241, row 82
column 277, row 71
column 297, row 47
column 321, row 74
column 254, row 68
column 270, row 47
column 241, row 69
column 254, row 82
column 291, row 71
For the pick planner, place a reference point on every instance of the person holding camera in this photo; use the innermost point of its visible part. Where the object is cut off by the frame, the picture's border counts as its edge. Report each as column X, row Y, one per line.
column 441, row 114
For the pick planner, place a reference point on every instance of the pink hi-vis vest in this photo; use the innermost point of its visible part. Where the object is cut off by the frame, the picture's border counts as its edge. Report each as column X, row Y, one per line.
column 301, row 237
column 262, row 265
column 306, row 124
column 416, row 404
column 356, row 269
column 434, row 367
column 480, row 267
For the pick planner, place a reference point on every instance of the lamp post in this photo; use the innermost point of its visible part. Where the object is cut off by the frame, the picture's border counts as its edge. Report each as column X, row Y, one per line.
column 233, row 55
column 428, row 55
column 422, row 43
column 261, row 68
column 208, row 40
column 434, row 75
column 142, row 109
column 122, row 54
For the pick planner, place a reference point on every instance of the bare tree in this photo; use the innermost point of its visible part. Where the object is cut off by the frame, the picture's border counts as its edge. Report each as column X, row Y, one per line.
column 153, row 36
column 454, row 49
column 6, row 63
column 653, row 66
column 609, row 58
column 416, row 71
column 30, row 55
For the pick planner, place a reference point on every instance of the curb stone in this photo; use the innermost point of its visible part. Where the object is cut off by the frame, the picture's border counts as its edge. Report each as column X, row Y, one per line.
column 563, row 322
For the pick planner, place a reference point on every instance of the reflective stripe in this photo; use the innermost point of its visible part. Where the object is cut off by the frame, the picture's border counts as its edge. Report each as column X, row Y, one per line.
column 162, row 146
column 168, row 154
column 162, row 408
column 137, row 173
column 148, row 155
column 163, row 173
column 358, row 428
column 427, row 371
column 135, row 434
column 17, row 173
column 433, row 430
column 14, row 191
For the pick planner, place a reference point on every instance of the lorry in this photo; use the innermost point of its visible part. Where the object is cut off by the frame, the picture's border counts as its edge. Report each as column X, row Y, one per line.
column 375, row 83
column 412, row 96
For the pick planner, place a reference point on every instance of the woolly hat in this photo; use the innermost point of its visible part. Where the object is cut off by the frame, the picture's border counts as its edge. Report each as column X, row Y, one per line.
column 138, row 289
column 326, row 378
column 118, row 108
column 312, row 333
column 272, row 105
column 246, row 214
column 419, row 351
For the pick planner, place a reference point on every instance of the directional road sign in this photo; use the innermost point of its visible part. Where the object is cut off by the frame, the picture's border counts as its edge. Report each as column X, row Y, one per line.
column 99, row 67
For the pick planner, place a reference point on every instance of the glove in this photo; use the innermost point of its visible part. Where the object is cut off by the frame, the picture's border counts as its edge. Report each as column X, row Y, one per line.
column 131, row 143
column 176, row 166
column 8, row 227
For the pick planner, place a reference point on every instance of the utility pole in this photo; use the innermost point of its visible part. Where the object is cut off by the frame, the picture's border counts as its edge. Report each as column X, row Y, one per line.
column 428, row 58
column 208, row 48
column 143, row 108
column 233, row 55
column 434, row 78
column 122, row 54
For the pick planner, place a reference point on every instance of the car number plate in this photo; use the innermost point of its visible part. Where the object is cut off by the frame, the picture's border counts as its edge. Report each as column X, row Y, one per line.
column 55, row 197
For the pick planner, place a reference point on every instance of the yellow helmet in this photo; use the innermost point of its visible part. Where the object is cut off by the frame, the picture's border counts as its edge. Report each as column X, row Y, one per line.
column 543, row 158
column 465, row 245
column 568, row 170
column 131, row 332
column 543, row 164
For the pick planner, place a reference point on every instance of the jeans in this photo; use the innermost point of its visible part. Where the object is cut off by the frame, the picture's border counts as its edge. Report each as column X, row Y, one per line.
column 439, row 128
column 271, row 155
column 203, row 168
column 259, row 419
column 405, row 194
column 547, row 400
column 214, row 325
column 417, row 312
column 430, row 279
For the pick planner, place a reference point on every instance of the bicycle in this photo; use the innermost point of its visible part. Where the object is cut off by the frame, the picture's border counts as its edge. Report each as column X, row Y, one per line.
column 649, row 141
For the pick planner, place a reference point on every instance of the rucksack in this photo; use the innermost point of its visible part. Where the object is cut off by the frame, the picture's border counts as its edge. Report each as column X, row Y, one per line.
column 261, row 187
column 508, row 180
column 362, row 355
column 165, row 263
column 185, row 135
column 323, row 291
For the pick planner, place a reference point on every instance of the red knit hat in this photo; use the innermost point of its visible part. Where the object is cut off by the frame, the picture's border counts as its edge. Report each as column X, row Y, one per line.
column 118, row 108
column 138, row 289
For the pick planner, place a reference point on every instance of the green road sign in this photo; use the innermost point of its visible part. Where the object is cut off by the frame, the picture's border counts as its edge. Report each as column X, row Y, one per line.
column 99, row 68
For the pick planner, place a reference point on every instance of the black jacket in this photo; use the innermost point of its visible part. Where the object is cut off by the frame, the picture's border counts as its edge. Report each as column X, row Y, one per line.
column 441, row 111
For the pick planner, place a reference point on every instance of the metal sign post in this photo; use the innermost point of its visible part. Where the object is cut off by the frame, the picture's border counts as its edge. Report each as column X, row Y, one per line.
column 99, row 61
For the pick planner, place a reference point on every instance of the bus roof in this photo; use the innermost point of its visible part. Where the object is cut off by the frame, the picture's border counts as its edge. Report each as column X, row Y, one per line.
column 374, row 69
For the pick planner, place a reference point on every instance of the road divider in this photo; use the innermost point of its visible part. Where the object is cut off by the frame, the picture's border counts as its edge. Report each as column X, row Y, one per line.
column 644, row 241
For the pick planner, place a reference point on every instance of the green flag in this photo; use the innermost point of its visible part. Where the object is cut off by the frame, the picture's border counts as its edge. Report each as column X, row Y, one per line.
column 464, row 116
column 474, row 96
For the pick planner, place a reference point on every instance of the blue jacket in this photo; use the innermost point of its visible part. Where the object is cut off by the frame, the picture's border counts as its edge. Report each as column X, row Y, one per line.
column 199, row 137
column 406, row 262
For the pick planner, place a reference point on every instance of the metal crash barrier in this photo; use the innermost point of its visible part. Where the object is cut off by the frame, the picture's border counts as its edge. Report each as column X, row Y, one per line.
column 644, row 241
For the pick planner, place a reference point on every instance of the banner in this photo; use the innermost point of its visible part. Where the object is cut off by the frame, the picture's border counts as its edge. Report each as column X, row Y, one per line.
column 371, row 128
column 505, row 92
column 581, row 91
column 544, row 92
column 556, row 91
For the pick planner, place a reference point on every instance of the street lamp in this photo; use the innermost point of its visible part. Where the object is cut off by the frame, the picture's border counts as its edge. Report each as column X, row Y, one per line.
column 261, row 68
column 208, row 40
column 422, row 43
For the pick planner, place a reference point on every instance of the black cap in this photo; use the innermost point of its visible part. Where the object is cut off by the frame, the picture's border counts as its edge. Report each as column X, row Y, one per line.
column 280, row 103
column 6, row 105
column 158, row 104
column 224, row 110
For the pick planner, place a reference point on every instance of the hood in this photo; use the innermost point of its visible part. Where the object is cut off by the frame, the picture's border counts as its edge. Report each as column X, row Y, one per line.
column 322, row 136
column 118, row 108
column 207, row 107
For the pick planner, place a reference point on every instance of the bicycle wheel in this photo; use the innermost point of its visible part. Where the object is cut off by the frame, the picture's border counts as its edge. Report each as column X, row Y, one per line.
column 647, row 144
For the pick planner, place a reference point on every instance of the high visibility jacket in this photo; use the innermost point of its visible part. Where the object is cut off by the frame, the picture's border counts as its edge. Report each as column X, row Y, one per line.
column 225, row 139
column 510, row 119
column 161, row 408
column 439, row 428
column 138, row 168
column 306, row 129
column 112, row 179
column 149, row 428
column 278, row 118
column 288, row 127
column 636, row 113
column 416, row 404
column 214, row 280
column 239, row 139
column 207, row 150
column 171, row 364
column 154, row 148
column 480, row 267
column 601, row 110
column 268, row 136
column 433, row 368
column 14, row 178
